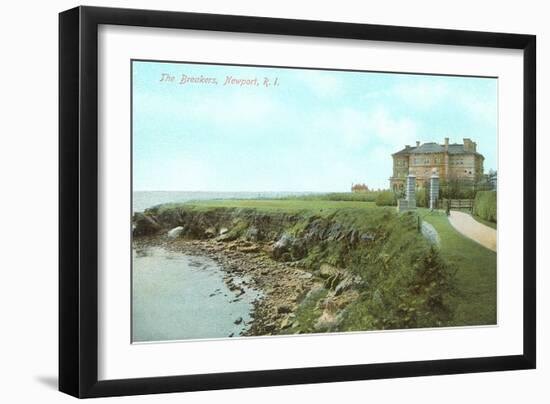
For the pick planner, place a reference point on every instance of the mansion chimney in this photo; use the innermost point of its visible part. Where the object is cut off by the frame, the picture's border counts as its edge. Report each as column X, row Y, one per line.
column 446, row 143
column 468, row 144
column 417, row 143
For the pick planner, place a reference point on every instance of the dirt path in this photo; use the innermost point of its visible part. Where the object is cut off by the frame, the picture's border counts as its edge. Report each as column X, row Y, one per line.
column 471, row 228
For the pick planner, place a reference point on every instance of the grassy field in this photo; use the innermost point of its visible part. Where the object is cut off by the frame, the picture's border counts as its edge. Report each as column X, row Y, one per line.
column 315, row 206
column 475, row 301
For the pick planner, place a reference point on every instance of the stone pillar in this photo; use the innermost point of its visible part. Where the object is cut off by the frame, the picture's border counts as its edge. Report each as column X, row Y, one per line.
column 434, row 190
column 410, row 191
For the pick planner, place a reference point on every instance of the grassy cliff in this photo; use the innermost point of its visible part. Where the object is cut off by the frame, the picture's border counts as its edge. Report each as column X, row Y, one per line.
column 374, row 269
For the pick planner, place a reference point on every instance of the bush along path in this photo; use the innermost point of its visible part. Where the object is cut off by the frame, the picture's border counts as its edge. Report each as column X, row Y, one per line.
column 471, row 228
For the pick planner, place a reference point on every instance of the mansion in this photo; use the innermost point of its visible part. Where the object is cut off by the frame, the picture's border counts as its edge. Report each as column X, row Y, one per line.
column 449, row 161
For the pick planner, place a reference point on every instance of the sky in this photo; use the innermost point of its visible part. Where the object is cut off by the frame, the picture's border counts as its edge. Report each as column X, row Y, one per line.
column 305, row 131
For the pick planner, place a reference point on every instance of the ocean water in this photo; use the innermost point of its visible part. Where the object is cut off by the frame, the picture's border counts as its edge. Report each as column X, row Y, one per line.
column 179, row 297
column 142, row 200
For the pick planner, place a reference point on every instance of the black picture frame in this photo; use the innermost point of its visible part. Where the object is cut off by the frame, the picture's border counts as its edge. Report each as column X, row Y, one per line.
column 78, row 201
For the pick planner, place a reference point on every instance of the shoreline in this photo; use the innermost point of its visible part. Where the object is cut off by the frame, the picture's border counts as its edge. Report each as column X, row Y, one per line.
column 282, row 286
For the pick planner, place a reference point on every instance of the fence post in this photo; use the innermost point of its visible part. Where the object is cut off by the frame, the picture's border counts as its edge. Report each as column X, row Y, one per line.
column 434, row 190
column 411, row 191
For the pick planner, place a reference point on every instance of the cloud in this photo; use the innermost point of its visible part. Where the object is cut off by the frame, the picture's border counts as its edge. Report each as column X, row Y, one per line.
column 483, row 110
column 252, row 110
column 419, row 94
column 320, row 83
column 354, row 127
column 422, row 95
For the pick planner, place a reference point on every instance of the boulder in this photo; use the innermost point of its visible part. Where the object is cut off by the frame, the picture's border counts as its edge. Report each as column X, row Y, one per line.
column 284, row 308
column 285, row 323
column 175, row 232
column 145, row 225
column 288, row 248
column 252, row 234
column 326, row 322
column 327, row 270
column 210, row 232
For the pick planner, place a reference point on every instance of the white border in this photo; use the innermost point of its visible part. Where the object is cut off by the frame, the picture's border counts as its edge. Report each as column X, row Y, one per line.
column 120, row 359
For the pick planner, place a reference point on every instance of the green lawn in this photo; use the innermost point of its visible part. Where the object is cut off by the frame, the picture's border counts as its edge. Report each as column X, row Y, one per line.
column 475, row 302
column 285, row 205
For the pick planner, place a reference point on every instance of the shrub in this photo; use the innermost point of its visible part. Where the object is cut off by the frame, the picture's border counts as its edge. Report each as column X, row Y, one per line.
column 456, row 188
column 386, row 198
column 485, row 205
column 369, row 196
column 422, row 197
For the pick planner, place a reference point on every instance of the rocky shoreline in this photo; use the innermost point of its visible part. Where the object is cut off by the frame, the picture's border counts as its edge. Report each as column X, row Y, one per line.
column 282, row 285
column 333, row 271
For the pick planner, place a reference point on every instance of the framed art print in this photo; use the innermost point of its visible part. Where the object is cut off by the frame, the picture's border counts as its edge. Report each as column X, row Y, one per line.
column 250, row 201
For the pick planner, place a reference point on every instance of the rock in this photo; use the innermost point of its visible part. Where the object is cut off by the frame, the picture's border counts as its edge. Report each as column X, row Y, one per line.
column 269, row 327
column 175, row 232
column 314, row 291
column 145, row 225
column 238, row 321
column 335, row 231
column 367, row 237
column 327, row 270
column 223, row 230
column 284, row 308
column 228, row 236
column 282, row 245
column 252, row 234
column 285, row 323
column 303, row 274
column 285, row 257
column 332, row 281
column 347, row 283
column 288, row 248
column 249, row 249
column 210, row 232
column 430, row 233
column 326, row 322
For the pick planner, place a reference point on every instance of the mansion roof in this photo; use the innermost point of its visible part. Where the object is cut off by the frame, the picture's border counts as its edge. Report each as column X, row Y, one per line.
column 432, row 147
